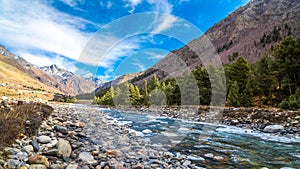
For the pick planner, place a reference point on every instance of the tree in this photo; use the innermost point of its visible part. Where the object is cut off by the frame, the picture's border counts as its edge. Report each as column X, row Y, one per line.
column 286, row 66
column 134, row 94
column 233, row 98
column 146, row 94
column 153, row 83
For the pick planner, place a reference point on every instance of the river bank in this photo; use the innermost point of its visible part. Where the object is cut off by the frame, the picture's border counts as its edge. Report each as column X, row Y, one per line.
column 265, row 120
column 82, row 136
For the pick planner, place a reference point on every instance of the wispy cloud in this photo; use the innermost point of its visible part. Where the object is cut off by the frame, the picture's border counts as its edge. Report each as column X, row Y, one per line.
column 132, row 4
column 154, row 55
column 38, row 26
column 140, row 66
column 43, row 60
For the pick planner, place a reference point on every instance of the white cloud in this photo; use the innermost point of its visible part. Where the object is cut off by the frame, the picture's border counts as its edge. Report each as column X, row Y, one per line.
column 132, row 4
column 165, row 22
column 42, row 60
column 40, row 27
column 140, row 66
column 104, row 50
column 154, row 55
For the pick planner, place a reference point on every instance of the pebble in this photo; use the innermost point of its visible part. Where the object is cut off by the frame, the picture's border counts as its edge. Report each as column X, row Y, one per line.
column 35, row 145
column 12, row 163
column 39, row 159
column 87, row 157
column 37, row 166
column 44, row 139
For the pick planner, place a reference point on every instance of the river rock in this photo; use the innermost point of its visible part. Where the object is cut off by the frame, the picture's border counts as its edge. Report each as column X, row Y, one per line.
column 72, row 166
column 35, row 145
column 29, row 149
column 37, row 166
column 12, row 163
column 195, row 158
column 112, row 153
column 87, row 157
column 64, row 148
column 146, row 131
column 61, row 129
column 273, row 128
column 39, row 159
column 44, row 139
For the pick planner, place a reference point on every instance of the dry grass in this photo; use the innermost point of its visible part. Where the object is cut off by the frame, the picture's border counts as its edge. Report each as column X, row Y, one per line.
column 19, row 85
column 13, row 120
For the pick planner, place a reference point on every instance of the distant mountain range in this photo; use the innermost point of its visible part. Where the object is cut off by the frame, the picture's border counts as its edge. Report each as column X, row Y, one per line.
column 55, row 77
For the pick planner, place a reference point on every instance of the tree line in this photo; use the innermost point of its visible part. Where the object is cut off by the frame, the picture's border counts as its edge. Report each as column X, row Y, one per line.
column 272, row 81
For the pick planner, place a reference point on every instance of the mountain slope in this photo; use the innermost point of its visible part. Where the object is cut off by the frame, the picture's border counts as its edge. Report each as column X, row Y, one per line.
column 53, row 76
column 19, row 85
column 250, row 31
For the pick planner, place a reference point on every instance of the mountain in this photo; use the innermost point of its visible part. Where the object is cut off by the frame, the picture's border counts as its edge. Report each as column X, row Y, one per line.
column 53, row 76
column 17, row 84
column 119, row 80
column 250, row 31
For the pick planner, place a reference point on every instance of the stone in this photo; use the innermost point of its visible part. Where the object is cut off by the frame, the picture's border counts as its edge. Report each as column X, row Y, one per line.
column 52, row 144
column 21, row 155
column 57, row 166
column 64, row 148
column 39, row 159
column 12, row 163
column 79, row 124
column 37, row 166
column 146, row 131
column 209, row 155
column 112, row 153
column 44, row 139
column 138, row 166
column 11, row 151
column 195, row 158
column 61, row 129
column 218, row 158
column 72, row 166
column 86, row 157
column 187, row 163
column 273, row 128
column 29, row 149
column 234, row 122
column 35, row 145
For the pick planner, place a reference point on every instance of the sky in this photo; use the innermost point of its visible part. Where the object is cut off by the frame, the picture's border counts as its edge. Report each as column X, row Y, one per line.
column 107, row 38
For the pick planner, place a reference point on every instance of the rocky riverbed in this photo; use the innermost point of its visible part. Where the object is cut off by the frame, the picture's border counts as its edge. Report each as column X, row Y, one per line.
column 79, row 136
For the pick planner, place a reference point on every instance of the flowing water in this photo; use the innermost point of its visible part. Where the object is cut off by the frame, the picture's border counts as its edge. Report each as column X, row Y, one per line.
column 237, row 148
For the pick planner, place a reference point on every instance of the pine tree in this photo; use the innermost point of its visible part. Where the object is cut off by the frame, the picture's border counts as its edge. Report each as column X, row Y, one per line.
column 233, row 98
column 146, row 94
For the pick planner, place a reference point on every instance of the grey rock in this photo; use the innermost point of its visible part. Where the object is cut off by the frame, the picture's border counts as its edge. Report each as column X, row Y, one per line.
column 35, row 145
column 11, row 151
column 21, row 155
column 72, row 166
column 61, row 129
column 273, row 128
column 64, row 148
column 44, row 139
column 12, row 163
column 86, row 157
column 29, row 148
column 37, row 166
column 195, row 158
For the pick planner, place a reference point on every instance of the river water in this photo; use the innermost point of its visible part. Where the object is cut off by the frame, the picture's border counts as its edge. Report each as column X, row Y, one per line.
column 240, row 148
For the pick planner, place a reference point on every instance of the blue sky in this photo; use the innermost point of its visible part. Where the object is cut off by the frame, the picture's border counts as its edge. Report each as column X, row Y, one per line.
column 98, row 36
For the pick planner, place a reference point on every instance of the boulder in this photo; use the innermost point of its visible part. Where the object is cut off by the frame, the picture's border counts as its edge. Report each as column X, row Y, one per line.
column 273, row 128
column 64, row 148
